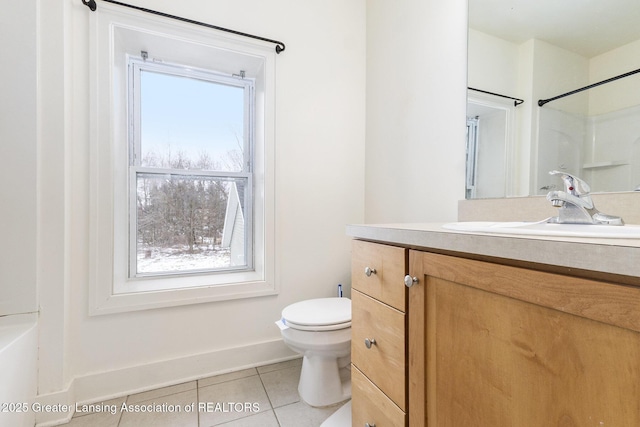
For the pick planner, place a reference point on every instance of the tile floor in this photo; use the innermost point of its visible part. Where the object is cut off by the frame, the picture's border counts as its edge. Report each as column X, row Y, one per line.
column 266, row 396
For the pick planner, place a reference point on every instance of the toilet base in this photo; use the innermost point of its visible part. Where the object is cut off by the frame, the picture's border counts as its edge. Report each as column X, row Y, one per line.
column 323, row 382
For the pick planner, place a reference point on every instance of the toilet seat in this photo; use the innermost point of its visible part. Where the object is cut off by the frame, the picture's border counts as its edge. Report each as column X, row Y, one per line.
column 320, row 314
column 317, row 328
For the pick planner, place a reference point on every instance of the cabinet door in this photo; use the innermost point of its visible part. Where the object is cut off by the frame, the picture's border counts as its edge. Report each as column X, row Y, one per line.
column 492, row 345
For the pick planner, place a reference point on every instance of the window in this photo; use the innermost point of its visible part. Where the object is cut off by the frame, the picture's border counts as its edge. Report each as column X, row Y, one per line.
column 190, row 170
column 181, row 165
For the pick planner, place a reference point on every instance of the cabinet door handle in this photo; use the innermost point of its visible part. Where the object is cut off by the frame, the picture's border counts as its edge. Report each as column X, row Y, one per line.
column 369, row 342
column 369, row 271
column 410, row 281
column 369, row 425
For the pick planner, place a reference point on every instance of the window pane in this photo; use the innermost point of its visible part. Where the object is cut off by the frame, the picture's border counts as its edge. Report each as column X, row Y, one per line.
column 188, row 123
column 189, row 223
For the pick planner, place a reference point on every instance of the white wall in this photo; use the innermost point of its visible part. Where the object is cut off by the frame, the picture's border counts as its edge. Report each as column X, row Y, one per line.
column 18, row 205
column 18, row 151
column 416, row 101
column 493, row 64
column 320, row 119
column 54, row 207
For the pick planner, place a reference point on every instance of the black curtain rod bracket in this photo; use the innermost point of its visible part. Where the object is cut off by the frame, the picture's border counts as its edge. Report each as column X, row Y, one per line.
column 591, row 86
column 516, row 101
column 91, row 4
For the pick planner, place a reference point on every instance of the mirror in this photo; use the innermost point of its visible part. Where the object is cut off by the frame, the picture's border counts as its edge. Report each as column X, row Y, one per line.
column 536, row 51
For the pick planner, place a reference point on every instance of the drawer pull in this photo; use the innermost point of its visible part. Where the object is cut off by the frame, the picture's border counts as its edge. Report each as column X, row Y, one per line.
column 369, row 271
column 369, row 342
column 369, row 425
column 410, row 281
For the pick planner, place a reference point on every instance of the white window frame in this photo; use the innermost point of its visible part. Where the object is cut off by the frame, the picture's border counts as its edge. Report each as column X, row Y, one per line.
column 116, row 33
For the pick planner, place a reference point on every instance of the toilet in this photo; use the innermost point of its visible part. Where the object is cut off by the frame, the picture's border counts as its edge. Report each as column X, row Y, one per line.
column 320, row 330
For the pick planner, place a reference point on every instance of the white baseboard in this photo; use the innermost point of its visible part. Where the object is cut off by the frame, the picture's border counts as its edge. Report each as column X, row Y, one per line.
column 58, row 400
column 103, row 386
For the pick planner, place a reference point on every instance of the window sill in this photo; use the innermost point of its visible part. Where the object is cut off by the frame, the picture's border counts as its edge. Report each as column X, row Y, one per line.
column 136, row 301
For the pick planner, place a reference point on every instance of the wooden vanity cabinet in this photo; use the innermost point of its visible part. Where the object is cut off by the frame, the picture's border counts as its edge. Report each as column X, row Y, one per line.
column 490, row 345
column 378, row 335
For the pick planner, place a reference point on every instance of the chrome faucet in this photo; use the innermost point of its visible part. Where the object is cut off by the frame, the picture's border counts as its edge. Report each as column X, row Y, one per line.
column 575, row 204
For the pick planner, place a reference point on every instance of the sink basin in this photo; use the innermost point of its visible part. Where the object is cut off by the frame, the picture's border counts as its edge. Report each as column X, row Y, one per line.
column 547, row 229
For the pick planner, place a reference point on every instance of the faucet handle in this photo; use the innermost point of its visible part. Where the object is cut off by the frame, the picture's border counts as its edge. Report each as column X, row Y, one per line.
column 572, row 184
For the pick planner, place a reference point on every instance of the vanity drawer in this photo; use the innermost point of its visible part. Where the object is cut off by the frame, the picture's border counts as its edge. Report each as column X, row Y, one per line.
column 370, row 405
column 382, row 361
column 378, row 271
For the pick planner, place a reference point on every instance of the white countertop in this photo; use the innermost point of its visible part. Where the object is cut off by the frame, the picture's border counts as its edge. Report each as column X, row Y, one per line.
column 615, row 256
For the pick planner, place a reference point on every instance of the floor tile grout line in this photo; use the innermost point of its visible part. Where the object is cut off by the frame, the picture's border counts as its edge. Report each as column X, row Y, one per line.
column 269, row 399
column 198, row 402
column 126, row 398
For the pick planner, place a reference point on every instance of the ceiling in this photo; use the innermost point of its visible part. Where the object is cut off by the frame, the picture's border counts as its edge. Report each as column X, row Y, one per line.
column 586, row 27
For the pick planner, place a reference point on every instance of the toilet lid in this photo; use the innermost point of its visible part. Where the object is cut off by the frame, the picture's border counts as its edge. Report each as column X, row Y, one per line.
column 320, row 312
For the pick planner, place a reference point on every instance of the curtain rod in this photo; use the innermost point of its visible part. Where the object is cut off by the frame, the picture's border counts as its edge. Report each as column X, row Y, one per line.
column 91, row 4
column 516, row 101
column 630, row 73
